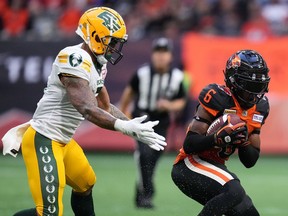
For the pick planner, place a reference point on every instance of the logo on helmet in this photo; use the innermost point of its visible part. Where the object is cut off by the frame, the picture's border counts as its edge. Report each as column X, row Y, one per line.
column 234, row 62
column 110, row 21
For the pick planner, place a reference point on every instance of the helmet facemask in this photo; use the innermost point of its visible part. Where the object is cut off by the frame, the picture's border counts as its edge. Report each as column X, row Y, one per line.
column 249, row 90
column 113, row 49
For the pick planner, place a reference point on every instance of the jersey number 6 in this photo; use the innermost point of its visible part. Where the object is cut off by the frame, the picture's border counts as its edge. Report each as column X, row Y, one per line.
column 209, row 95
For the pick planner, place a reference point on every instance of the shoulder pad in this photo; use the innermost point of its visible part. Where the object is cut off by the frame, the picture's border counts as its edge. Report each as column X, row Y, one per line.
column 263, row 107
column 215, row 98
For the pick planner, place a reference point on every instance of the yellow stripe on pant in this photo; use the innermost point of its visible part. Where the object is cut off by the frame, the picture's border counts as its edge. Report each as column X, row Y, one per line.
column 50, row 165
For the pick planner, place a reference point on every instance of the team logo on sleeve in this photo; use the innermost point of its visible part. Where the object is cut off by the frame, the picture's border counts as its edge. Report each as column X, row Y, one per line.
column 75, row 59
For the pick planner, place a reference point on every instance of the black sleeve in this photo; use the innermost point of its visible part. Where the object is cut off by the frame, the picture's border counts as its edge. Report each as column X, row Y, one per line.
column 134, row 82
column 263, row 108
column 181, row 92
column 195, row 143
column 248, row 155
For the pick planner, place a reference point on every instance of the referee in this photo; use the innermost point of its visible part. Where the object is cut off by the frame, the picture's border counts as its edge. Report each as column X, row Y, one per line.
column 156, row 89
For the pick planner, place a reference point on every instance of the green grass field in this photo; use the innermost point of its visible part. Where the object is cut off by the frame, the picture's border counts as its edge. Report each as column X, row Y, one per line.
column 266, row 183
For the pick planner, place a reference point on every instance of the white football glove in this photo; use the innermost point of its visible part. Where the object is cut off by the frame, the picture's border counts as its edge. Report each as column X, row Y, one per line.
column 143, row 132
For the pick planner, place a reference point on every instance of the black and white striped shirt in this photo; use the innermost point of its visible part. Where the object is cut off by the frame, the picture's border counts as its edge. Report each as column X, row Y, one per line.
column 149, row 86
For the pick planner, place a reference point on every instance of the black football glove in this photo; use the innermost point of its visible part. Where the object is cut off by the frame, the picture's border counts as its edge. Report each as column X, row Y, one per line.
column 230, row 134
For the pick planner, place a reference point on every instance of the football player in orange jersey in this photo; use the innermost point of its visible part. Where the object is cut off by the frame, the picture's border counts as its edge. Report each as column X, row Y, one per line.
column 75, row 91
column 199, row 170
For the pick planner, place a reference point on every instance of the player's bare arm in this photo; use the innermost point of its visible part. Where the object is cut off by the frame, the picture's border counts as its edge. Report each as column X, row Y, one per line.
column 103, row 100
column 117, row 113
column 83, row 99
column 170, row 106
column 126, row 99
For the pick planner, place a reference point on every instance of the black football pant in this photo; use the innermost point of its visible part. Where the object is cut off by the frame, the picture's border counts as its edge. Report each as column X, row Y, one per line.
column 146, row 161
column 229, row 199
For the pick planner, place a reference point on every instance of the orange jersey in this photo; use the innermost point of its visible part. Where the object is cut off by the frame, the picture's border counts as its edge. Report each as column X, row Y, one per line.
column 218, row 100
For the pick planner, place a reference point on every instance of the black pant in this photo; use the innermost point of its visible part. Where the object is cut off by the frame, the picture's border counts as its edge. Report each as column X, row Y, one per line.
column 146, row 161
column 227, row 198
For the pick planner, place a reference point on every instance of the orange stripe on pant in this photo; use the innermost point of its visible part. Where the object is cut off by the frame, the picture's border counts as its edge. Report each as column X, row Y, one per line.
column 195, row 164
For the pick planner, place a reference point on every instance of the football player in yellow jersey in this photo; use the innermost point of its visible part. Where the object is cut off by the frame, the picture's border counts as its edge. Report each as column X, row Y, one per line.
column 75, row 91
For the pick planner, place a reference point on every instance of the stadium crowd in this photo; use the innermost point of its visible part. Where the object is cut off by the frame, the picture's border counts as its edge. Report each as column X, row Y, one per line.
column 49, row 20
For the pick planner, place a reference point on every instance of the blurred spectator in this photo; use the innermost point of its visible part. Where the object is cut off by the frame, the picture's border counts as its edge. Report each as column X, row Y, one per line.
column 201, row 16
column 148, row 18
column 44, row 15
column 3, row 6
column 68, row 20
column 15, row 19
column 256, row 28
column 276, row 13
column 227, row 20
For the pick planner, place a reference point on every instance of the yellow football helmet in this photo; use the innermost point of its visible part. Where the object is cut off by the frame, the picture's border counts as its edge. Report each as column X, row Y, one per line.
column 104, row 30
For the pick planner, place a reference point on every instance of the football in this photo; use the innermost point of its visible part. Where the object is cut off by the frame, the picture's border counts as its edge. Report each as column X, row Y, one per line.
column 217, row 123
